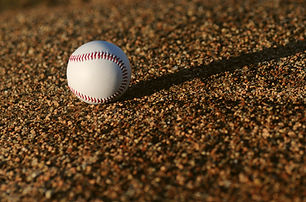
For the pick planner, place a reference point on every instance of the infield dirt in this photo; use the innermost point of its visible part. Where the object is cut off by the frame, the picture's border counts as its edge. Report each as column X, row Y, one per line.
column 215, row 110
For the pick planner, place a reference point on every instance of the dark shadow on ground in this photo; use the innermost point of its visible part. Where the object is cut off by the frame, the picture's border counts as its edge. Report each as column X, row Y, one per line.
column 146, row 88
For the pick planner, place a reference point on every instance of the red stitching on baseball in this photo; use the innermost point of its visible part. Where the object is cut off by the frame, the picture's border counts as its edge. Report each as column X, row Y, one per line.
column 93, row 99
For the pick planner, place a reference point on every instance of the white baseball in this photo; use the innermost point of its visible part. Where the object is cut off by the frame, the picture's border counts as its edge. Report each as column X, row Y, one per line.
column 98, row 72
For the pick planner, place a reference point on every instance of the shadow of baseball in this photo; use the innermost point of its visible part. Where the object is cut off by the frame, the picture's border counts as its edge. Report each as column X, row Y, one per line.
column 148, row 87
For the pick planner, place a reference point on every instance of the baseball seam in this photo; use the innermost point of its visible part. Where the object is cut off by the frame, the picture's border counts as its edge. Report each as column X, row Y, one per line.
column 103, row 56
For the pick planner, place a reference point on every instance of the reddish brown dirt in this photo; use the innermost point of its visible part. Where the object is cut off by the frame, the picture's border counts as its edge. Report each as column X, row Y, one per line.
column 215, row 110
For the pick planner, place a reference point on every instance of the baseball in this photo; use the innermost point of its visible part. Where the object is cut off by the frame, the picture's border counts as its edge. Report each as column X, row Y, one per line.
column 98, row 72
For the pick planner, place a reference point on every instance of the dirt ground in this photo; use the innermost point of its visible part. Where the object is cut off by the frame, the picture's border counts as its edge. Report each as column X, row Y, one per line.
column 215, row 110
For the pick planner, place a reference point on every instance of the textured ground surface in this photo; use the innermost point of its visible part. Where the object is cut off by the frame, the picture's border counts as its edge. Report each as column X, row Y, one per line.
column 215, row 110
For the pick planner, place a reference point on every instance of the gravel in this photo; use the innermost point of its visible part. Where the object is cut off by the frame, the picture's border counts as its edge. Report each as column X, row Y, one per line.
column 215, row 110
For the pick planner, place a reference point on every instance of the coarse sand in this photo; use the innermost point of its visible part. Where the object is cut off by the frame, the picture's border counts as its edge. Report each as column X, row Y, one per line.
column 215, row 110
